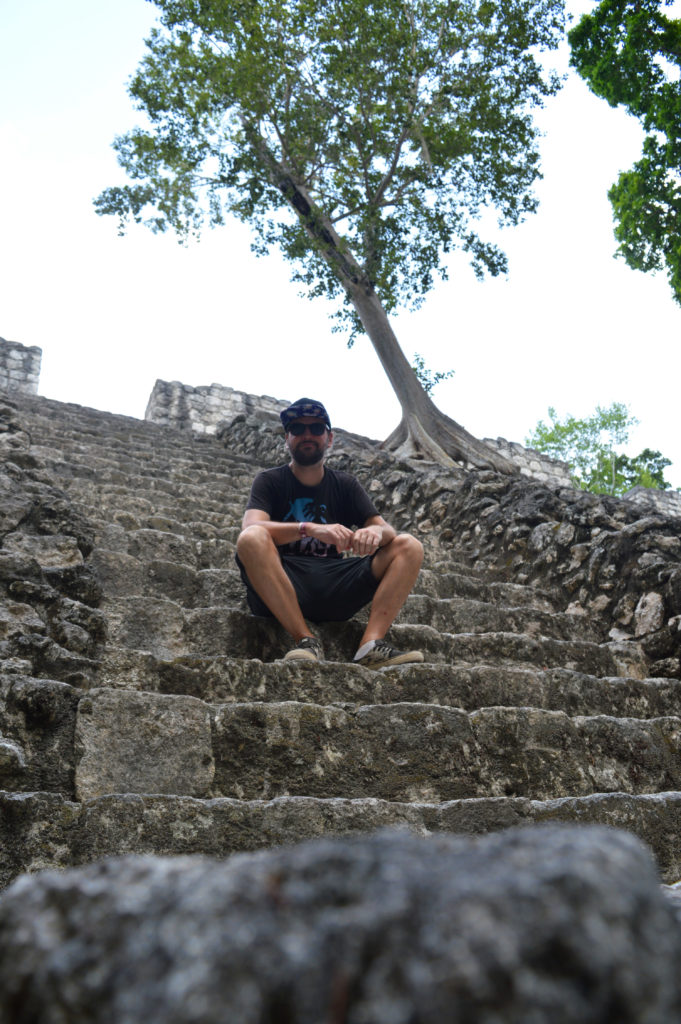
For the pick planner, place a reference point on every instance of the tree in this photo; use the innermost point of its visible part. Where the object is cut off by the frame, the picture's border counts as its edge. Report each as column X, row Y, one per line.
column 589, row 446
column 428, row 379
column 363, row 139
column 629, row 53
column 644, row 470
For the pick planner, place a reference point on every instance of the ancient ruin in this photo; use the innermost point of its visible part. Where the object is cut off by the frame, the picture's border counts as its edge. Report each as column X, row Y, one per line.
column 143, row 709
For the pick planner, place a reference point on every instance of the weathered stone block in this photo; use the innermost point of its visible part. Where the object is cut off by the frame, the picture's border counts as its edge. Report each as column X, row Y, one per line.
column 649, row 614
column 142, row 743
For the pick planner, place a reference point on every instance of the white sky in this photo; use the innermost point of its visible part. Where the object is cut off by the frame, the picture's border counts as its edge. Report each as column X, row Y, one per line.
column 570, row 326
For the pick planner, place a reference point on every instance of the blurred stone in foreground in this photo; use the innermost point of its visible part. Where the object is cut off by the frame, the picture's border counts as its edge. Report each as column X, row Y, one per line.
column 550, row 925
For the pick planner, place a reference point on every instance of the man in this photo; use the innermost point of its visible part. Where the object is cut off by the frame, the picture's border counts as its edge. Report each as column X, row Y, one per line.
column 299, row 520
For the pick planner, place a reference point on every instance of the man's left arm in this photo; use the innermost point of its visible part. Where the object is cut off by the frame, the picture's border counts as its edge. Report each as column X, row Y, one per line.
column 375, row 534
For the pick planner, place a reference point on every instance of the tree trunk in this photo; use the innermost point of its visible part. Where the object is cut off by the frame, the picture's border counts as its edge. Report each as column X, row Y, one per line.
column 424, row 432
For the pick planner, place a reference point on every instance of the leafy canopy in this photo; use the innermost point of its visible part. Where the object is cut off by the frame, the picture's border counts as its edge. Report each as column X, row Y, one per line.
column 629, row 52
column 398, row 122
column 589, row 446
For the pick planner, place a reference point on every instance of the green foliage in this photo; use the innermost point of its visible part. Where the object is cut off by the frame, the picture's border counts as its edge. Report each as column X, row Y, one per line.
column 629, row 53
column 429, row 378
column 589, row 446
column 363, row 139
column 644, row 470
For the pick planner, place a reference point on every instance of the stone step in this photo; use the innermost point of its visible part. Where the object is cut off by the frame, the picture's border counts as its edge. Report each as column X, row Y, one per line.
column 224, row 680
column 137, row 513
column 74, row 445
column 39, row 830
column 159, row 447
column 50, row 418
column 146, row 472
column 168, row 630
column 464, row 584
column 106, row 496
column 123, row 575
column 87, row 462
column 37, row 723
column 462, row 615
column 153, row 743
column 203, row 548
column 157, row 489
column 141, row 742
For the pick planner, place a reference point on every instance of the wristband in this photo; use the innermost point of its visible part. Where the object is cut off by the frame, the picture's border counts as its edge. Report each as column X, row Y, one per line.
column 302, row 529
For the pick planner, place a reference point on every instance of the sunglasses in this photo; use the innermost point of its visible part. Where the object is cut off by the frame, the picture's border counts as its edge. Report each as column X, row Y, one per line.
column 298, row 429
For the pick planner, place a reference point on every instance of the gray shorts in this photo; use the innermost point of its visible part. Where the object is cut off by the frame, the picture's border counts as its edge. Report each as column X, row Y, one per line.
column 328, row 589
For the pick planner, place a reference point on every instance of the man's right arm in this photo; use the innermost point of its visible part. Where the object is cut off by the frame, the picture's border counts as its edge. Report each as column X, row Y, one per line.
column 287, row 533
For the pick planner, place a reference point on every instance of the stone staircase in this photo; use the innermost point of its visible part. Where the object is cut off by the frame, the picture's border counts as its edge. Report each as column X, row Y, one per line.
column 142, row 707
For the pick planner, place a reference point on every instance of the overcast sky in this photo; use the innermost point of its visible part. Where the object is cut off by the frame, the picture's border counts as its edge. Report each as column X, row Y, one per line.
column 570, row 326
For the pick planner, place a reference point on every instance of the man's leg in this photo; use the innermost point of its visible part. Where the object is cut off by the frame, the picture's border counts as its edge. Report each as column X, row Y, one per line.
column 260, row 558
column 396, row 566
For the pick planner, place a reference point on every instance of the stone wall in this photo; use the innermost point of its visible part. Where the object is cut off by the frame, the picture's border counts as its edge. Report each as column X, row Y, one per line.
column 203, row 409
column 602, row 557
column 648, row 500
column 19, row 367
column 532, row 463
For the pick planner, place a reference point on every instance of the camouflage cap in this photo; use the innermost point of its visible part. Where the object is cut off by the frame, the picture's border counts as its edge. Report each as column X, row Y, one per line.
column 304, row 407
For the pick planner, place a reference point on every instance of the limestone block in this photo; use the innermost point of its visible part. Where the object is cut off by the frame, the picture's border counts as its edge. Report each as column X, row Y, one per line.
column 55, row 551
column 649, row 614
column 118, row 572
column 11, row 444
column 147, row 624
column 40, row 714
column 142, row 743
column 542, row 536
column 15, row 503
column 16, row 617
column 12, row 761
column 628, row 658
column 552, row 925
column 402, row 752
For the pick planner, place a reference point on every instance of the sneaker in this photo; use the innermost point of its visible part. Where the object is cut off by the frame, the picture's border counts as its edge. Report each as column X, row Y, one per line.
column 380, row 654
column 307, row 649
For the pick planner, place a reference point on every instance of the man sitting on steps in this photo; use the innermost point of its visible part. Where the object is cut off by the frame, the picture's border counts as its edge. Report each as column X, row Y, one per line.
column 299, row 520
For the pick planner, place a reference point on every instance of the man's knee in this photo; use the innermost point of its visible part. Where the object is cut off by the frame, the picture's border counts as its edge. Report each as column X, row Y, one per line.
column 404, row 550
column 409, row 547
column 254, row 541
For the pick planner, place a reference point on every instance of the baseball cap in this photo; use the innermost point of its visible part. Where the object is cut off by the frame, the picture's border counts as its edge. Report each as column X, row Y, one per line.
column 304, row 407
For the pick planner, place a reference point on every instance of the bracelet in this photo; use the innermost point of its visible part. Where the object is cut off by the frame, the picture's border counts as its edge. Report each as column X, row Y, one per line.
column 302, row 529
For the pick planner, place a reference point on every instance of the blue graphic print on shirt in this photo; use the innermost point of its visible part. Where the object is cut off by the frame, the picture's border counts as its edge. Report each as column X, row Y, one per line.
column 306, row 510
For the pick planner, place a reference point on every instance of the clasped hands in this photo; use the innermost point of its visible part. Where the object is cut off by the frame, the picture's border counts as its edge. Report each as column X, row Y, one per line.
column 364, row 541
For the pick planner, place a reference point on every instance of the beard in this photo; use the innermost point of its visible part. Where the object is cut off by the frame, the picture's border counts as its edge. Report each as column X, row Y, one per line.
column 310, row 457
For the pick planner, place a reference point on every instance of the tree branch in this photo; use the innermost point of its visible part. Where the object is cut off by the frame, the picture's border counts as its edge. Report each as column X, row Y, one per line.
column 317, row 226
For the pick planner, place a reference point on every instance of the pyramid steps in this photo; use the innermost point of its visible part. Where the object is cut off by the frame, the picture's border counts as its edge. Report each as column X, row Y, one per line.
column 186, row 733
column 225, row 679
column 52, row 831
column 445, row 615
column 107, row 741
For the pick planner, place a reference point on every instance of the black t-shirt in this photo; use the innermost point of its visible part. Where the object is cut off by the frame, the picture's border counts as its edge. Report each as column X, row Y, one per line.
column 339, row 498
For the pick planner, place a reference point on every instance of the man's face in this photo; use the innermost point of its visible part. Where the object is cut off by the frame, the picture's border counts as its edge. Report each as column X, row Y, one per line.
column 307, row 449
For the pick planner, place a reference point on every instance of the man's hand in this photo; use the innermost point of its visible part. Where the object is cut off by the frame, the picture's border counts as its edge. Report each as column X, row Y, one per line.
column 367, row 540
column 332, row 533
